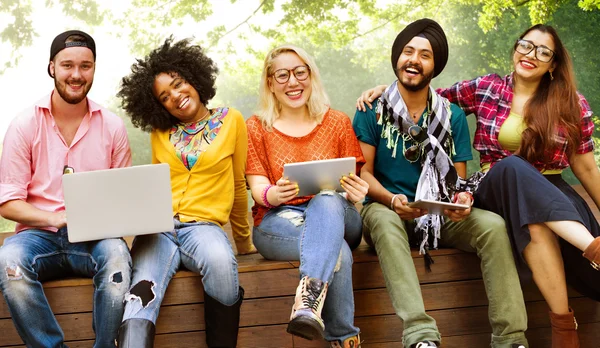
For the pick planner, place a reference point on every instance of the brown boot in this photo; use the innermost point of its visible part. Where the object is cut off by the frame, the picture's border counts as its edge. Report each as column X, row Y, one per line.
column 564, row 330
column 350, row 342
column 592, row 253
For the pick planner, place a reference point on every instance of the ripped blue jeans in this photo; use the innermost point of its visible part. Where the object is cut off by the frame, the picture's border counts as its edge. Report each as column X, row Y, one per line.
column 200, row 247
column 33, row 256
column 321, row 234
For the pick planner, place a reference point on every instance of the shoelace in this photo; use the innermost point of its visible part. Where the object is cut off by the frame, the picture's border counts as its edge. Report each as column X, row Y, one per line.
column 310, row 298
column 424, row 345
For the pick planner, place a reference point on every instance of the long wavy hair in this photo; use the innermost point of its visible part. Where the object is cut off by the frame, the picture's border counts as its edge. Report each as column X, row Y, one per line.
column 553, row 109
column 180, row 58
column 269, row 107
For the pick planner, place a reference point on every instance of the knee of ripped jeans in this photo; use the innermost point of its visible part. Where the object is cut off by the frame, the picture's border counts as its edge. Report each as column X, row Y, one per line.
column 142, row 293
column 116, row 278
column 13, row 272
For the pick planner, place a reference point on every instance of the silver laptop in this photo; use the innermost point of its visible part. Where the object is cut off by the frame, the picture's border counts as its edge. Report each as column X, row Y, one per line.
column 118, row 202
column 315, row 176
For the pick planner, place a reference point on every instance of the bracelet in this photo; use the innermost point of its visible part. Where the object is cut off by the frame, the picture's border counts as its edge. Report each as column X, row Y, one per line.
column 392, row 203
column 264, row 197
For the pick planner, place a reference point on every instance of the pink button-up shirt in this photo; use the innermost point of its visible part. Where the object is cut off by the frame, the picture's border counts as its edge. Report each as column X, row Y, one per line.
column 35, row 154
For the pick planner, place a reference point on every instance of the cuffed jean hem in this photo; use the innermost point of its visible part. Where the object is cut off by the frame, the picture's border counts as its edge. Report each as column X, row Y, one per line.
column 507, row 341
column 418, row 333
column 343, row 338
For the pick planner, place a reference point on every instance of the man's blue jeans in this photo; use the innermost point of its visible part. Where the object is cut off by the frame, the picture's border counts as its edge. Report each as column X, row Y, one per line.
column 33, row 256
column 321, row 234
column 201, row 247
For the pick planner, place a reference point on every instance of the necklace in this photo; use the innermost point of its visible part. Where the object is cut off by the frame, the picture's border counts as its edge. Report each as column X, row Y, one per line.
column 195, row 127
column 206, row 114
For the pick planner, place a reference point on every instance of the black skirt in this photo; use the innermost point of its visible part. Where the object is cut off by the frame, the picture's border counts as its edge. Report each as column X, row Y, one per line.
column 517, row 191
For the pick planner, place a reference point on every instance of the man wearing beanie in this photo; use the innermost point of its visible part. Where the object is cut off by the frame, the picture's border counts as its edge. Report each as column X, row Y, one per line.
column 416, row 145
column 62, row 133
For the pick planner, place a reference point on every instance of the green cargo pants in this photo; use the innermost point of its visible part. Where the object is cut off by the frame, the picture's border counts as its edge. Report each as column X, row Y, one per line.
column 484, row 233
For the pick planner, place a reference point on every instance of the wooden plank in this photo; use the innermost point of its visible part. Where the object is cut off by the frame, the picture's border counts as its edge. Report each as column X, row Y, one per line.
column 456, row 315
column 473, row 321
column 264, row 284
column 265, row 336
column 275, row 336
column 187, row 287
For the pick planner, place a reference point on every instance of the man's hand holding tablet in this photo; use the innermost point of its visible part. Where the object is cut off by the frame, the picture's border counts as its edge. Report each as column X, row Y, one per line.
column 454, row 211
column 463, row 198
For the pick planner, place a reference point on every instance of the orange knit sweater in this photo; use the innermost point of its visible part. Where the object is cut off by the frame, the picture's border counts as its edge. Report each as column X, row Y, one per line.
column 268, row 151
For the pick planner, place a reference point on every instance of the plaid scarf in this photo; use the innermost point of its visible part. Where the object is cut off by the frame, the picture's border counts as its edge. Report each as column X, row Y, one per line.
column 438, row 178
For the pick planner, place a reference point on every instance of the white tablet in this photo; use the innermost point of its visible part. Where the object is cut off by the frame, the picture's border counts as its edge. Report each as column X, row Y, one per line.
column 436, row 207
column 315, row 176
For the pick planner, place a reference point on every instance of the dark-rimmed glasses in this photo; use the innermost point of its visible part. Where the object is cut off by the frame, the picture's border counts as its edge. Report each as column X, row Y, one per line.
column 418, row 136
column 301, row 72
column 542, row 53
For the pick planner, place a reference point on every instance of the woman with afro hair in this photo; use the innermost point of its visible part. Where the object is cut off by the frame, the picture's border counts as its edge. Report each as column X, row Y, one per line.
column 167, row 94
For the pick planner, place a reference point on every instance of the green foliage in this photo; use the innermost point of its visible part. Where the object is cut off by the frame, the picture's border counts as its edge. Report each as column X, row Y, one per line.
column 84, row 10
column 589, row 5
column 19, row 32
column 350, row 40
column 139, row 141
column 6, row 225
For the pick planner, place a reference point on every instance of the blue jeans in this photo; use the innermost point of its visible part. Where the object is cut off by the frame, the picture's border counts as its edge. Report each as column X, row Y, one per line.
column 200, row 247
column 321, row 234
column 33, row 256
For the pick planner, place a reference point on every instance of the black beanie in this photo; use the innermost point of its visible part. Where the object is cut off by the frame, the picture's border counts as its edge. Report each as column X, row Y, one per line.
column 58, row 44
column 432, row 32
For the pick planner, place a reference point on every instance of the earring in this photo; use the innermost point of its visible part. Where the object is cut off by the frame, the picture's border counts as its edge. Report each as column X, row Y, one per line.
column 551, row 77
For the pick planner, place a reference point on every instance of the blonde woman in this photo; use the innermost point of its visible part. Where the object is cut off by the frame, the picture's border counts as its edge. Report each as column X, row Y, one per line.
column 294, row 123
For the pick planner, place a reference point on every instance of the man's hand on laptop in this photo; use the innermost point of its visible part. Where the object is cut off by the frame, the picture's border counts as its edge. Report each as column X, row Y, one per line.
column 458, row 215
column 400, row 204
column 57, row 219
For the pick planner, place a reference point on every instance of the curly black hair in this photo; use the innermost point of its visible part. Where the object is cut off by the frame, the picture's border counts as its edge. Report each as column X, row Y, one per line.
column 181, row 58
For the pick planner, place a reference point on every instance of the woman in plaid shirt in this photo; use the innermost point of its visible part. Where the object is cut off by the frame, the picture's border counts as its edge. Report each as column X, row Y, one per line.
column 531, row 125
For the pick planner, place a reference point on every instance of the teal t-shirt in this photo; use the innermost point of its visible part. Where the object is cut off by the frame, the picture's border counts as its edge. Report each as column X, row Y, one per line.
column 398, row 175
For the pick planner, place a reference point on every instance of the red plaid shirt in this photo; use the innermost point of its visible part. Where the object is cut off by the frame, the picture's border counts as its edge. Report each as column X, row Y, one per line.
column 489, row 97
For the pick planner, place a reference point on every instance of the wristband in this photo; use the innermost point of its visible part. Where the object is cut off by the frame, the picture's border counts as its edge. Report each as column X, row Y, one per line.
column 392, row 202
column 455, row 198
column 264, row 197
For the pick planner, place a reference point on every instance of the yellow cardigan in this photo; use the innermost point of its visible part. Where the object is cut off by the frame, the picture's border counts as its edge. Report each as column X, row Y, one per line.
column 214, row 190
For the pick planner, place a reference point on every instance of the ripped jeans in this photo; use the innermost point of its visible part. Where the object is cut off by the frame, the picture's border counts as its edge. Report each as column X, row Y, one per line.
column 321, row 234
column 33, row 256
column 200, row 247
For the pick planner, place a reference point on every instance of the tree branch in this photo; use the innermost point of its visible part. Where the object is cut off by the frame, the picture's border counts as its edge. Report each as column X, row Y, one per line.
column 244, row 22
column 377, row 27
column 521, row 3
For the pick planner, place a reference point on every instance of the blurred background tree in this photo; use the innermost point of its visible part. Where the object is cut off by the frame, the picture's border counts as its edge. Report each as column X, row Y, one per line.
column 350, row 39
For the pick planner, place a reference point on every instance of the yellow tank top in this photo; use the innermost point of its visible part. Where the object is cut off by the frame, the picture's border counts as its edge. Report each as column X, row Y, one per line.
column 510, row 138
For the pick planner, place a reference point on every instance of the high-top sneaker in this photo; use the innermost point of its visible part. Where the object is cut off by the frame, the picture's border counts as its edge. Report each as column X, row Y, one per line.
column 564, row 330
column 350, row 342
column 592, row 253
column 305, row 320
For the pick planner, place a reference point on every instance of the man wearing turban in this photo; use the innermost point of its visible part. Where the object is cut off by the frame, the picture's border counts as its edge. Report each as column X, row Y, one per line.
column 416, row 144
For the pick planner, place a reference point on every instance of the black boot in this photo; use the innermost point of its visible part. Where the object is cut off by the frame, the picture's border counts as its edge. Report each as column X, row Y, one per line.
column 222, row 322
column 136, row 333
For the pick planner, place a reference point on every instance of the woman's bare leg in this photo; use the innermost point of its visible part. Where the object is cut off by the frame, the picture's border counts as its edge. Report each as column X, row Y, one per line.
column 545, row 261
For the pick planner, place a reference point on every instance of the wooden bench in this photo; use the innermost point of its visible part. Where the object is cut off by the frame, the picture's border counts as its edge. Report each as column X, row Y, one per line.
column 453, row 293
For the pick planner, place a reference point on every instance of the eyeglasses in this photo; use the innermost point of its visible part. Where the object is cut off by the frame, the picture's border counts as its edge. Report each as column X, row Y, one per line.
column 542, row 53
column 301, row 72
column 418, row 136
